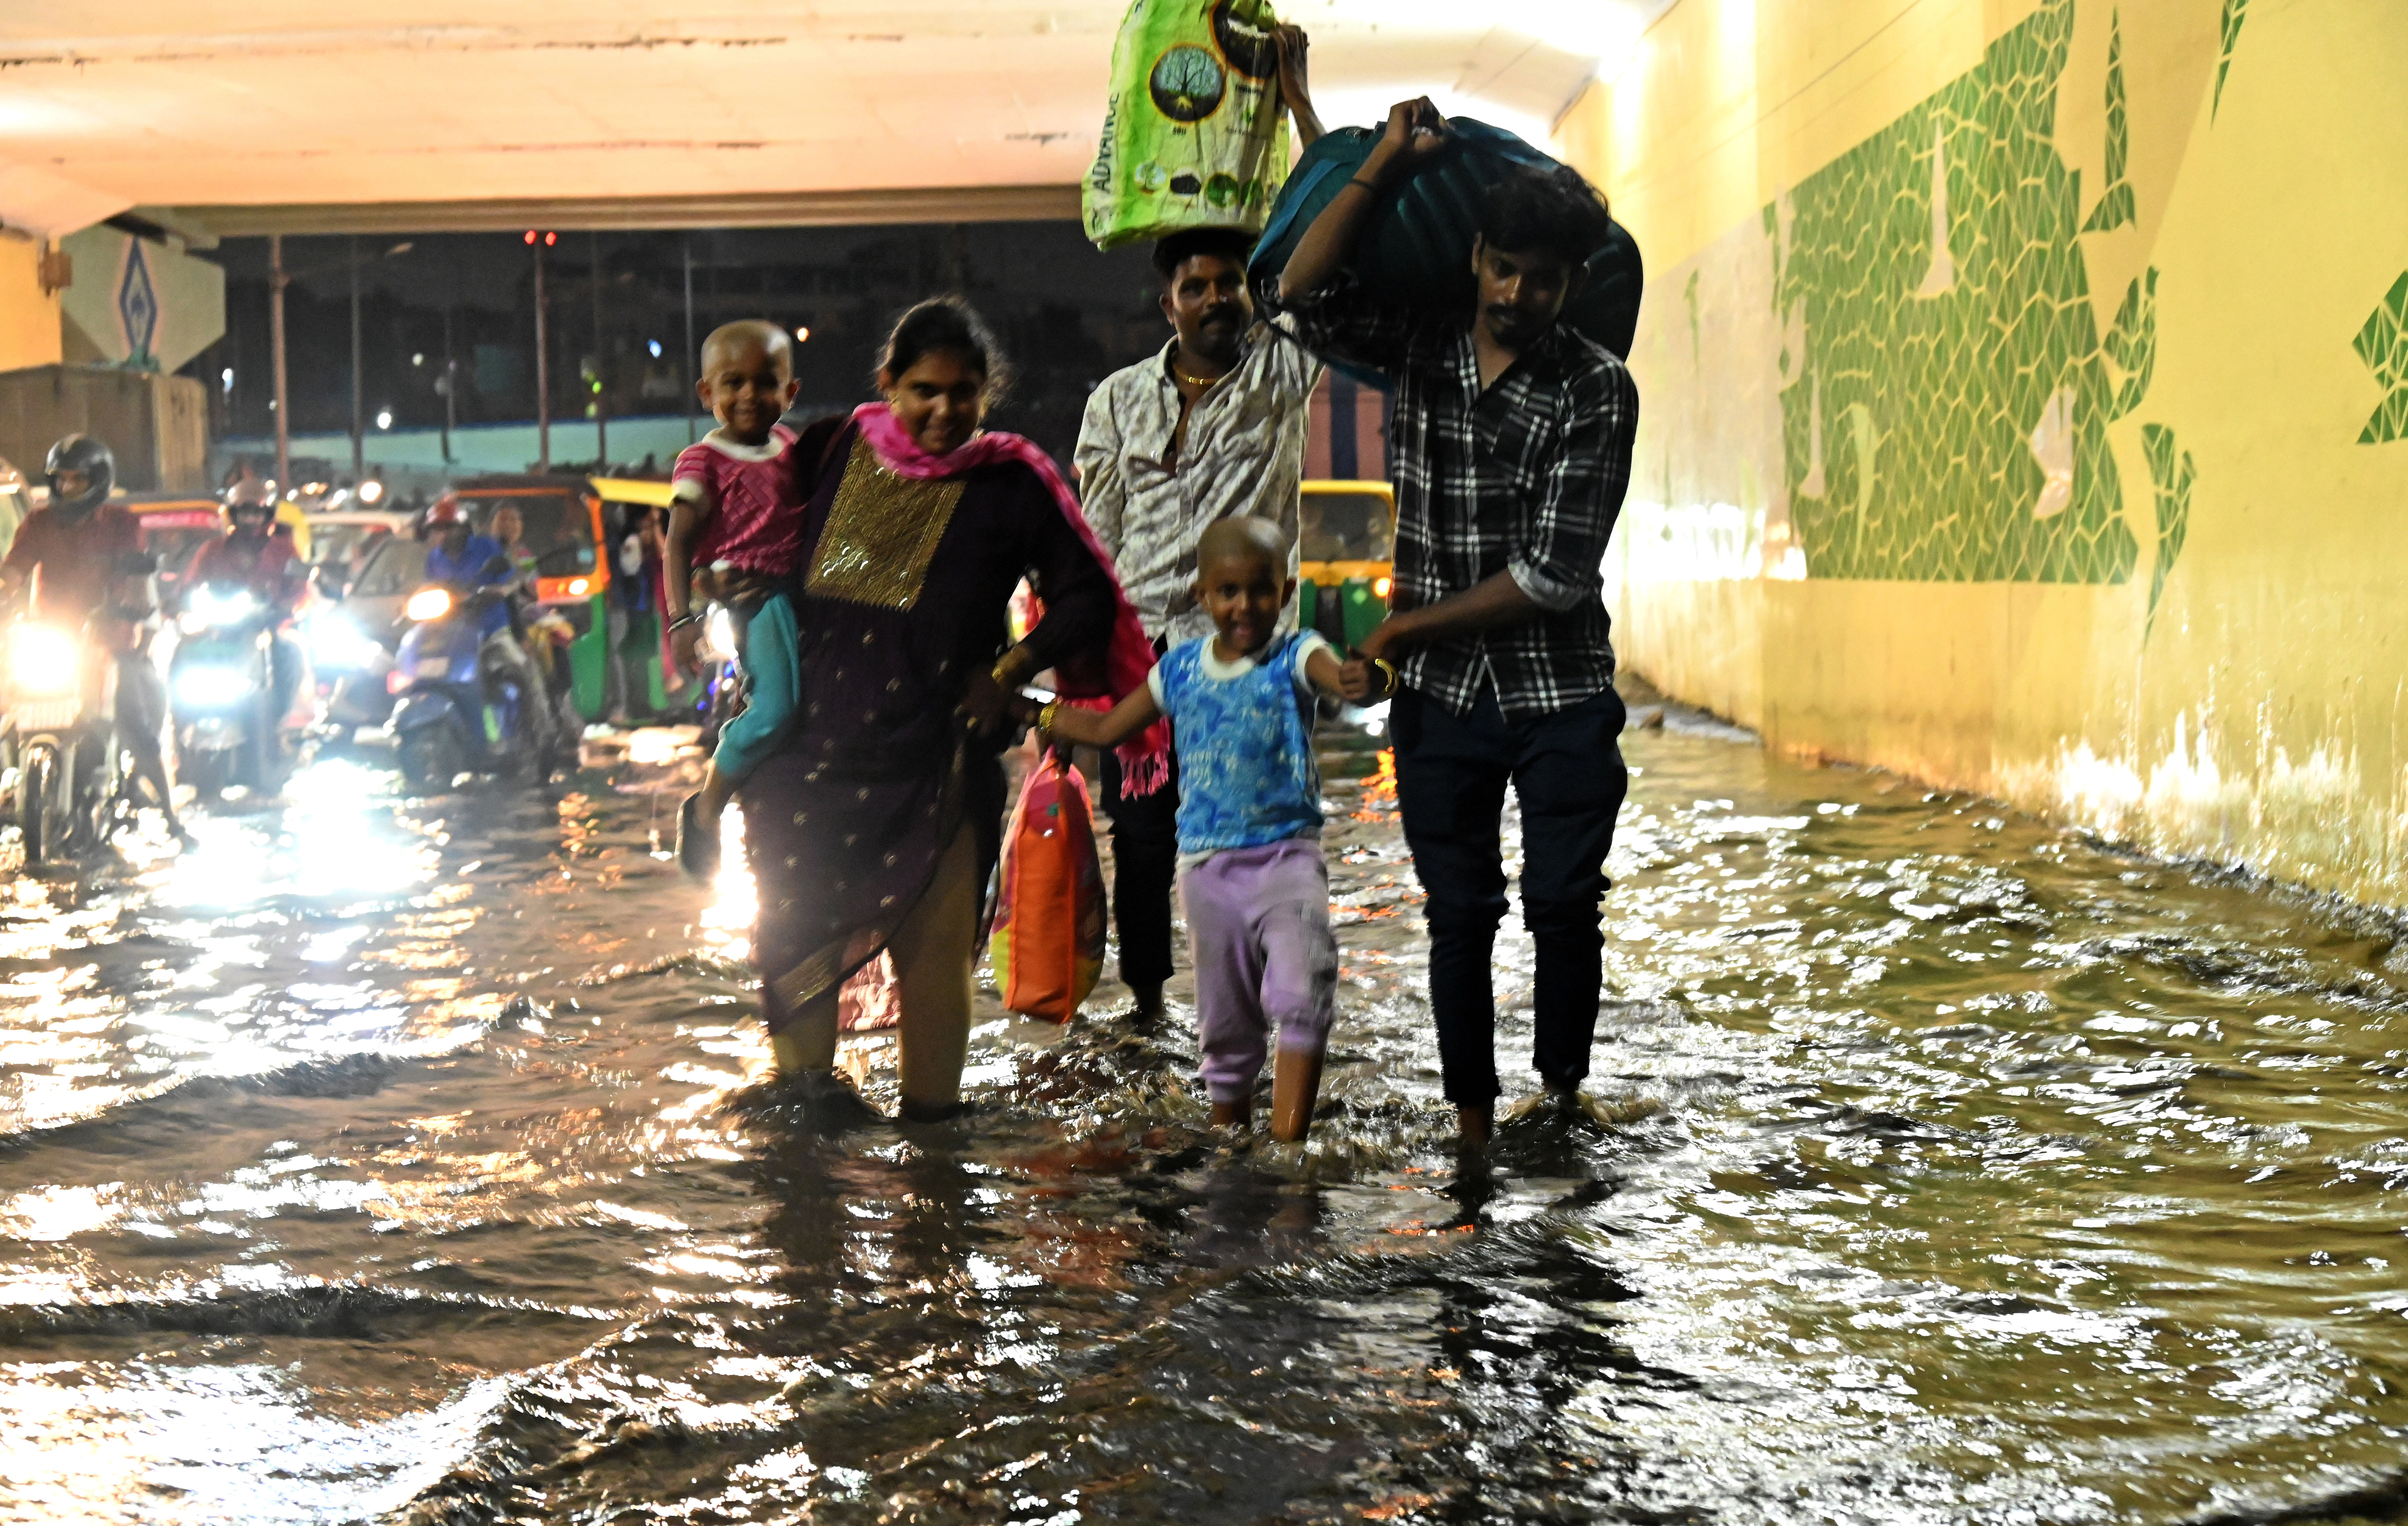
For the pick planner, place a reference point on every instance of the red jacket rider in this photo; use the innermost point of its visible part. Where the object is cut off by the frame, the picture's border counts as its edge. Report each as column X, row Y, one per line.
column 251, row 553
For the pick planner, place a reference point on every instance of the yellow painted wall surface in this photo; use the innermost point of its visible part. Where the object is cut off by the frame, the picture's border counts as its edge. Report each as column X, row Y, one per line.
column 29, row 320
column 2025, row 403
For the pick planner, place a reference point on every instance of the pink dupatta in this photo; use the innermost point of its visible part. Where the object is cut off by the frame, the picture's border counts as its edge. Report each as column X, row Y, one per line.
column 1145, row 760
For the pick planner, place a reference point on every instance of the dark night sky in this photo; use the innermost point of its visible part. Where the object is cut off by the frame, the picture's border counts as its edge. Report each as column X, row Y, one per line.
column 1068, row 315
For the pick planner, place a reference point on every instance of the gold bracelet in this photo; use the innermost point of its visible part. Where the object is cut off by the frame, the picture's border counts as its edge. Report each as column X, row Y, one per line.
column 1045, row 716
column 1388, row 670
column 998, row 674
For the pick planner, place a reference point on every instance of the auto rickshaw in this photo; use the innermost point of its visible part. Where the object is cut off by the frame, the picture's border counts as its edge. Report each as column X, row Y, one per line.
column 567, row 523
column 1346, row 549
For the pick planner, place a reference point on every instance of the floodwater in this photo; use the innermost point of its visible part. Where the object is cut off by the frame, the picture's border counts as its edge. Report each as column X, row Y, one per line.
column 407, row 1161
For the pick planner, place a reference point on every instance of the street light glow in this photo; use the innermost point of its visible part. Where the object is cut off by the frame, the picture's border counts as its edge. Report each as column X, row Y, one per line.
column 384, row 418
column 802, row 334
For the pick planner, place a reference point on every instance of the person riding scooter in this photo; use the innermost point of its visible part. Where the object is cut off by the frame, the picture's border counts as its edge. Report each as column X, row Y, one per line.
column 456, row 554
column 85, row 558
column 252, row 556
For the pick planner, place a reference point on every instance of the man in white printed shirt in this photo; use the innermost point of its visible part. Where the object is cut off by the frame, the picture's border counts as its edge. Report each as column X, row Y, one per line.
column 1211, row 428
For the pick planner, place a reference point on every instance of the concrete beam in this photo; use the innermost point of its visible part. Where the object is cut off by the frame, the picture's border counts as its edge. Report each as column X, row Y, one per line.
column 773, row 209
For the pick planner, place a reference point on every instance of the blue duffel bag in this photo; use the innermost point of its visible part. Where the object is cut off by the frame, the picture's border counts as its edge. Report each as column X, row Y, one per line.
column 1415, row 251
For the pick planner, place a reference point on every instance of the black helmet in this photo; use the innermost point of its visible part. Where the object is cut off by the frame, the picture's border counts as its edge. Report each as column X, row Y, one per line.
column 84, row 454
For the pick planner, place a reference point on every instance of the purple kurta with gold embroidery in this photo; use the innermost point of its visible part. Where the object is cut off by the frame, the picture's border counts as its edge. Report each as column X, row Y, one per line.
column 901, row 598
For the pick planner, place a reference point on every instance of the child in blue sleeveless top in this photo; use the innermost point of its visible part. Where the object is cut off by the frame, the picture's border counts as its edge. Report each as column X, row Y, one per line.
column 1251, row 874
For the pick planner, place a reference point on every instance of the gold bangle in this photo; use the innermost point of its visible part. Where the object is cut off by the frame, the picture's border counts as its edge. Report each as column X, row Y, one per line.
column 1388, row 670
column 1045, row 716
column 1002, row 679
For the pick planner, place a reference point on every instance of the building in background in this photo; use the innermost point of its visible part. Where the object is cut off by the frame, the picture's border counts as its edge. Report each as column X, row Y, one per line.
column 115, row 308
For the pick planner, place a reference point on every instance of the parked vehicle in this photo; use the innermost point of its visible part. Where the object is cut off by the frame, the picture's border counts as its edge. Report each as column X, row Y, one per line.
column 459, row 710
column 221, row 693
column 59, row 736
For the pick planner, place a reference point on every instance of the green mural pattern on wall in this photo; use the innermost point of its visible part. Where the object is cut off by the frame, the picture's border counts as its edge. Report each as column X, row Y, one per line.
column 1949, row 421
column 2234, row 11
column 2383, row 345
column 2171, row 476
column 2115, row 204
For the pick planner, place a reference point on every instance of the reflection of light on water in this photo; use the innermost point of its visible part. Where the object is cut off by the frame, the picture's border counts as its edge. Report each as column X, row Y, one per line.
column 1379, row 799
column 654, row 746
column 334, row 837
column 727, row 921
column 226, row 1443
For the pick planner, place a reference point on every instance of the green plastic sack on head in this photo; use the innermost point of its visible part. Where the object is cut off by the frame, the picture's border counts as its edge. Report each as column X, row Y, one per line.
column 1193, row 136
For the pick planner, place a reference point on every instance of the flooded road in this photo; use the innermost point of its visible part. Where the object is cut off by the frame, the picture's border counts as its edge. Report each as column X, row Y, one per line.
column 404, row 1160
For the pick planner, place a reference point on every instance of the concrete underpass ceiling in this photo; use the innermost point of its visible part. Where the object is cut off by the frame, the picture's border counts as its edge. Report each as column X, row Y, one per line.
column 306, row 116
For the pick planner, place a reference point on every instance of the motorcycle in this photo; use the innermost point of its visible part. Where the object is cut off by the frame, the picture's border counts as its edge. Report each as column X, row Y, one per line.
column 461, row 710
column 221, row 692
column 60, row 732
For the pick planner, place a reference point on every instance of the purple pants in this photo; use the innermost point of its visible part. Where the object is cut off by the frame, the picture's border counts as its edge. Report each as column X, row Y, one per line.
column 1258, row 927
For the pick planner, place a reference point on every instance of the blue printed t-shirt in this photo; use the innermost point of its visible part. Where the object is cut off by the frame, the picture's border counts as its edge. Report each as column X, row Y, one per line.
column 1247, row 776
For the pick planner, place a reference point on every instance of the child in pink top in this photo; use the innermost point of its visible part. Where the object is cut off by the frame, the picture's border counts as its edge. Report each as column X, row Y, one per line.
column 737, row 507
column 737, row 513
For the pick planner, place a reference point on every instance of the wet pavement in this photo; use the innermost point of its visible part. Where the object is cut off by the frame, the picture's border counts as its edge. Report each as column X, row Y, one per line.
column 398, row 1159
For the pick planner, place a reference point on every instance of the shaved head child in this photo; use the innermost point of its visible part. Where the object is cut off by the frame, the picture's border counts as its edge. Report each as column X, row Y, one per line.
column 737, row 512
column 1241, row 703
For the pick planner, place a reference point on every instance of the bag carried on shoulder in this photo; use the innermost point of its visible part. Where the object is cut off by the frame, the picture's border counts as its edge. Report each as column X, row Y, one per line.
column 1193, row 136
column 1048, row 943
column 1415, row 252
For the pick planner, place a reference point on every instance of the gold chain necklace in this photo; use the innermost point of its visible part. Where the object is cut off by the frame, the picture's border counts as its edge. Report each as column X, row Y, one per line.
column 1208, row 383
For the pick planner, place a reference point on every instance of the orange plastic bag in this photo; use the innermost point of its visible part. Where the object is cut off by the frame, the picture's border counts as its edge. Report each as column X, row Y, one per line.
column 1048, row 943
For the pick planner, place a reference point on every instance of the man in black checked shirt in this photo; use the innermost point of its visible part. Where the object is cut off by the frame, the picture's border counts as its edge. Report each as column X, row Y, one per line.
column 1511, row 448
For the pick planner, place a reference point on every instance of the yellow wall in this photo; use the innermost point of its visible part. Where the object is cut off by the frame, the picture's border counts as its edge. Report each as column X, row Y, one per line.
column 29, row 320
column 2084, row 496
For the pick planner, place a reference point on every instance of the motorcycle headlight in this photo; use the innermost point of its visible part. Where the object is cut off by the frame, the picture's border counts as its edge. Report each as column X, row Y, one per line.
column 719, row 634
column 428, row 604
column 209, row 607
column 209, row 687
column 42, row 662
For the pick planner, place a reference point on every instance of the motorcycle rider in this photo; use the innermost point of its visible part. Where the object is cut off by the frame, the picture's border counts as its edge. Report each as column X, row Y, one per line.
column 251, row 555
column 461, row 557
column 83, row 556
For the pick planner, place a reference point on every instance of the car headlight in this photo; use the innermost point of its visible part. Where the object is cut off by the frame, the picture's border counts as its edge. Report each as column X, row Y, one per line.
column 336, row 645
column 428, row 604
column 42, row 662
column 212, row 686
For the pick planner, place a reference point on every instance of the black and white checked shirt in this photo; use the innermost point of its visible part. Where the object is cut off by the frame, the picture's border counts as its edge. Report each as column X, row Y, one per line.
column 1526, row 477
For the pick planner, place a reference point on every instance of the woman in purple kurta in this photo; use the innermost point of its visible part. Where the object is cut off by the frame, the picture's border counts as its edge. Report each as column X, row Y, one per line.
column 874, row 824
